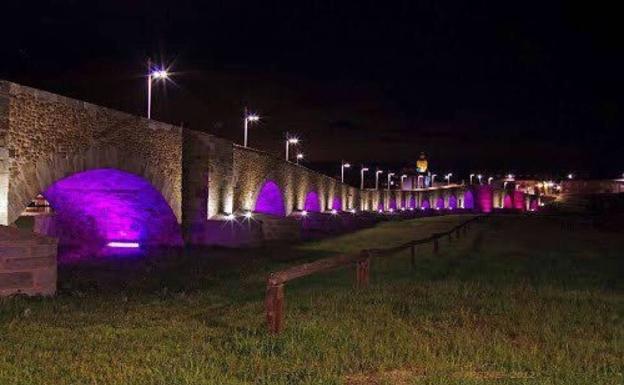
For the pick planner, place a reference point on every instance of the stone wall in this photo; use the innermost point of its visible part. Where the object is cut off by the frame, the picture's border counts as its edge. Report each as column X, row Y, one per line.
column 45, row 137
column 27, row 263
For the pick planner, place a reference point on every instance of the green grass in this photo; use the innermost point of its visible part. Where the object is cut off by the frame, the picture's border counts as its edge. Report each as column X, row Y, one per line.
column 517, row 302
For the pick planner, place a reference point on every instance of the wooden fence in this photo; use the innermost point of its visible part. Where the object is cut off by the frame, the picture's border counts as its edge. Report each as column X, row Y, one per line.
column 274, row 302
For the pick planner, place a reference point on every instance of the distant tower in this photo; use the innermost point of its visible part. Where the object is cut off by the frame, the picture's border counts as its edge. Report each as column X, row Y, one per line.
column 422, row 164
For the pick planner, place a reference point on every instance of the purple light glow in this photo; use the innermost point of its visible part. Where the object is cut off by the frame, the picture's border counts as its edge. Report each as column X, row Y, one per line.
column 270, row 200
column 312, row 203
column 107, row 207
column 440, row 203
column 485, row 197
column 425, row 204
column 337, row 203
column 412, row 202
column 468, row 200
column 533, row 205
column 452, row 202
column 507, row 202
column 380, row 205
column 393, row 203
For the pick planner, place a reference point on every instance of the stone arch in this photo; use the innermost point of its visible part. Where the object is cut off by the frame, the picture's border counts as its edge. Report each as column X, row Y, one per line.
column 412, row 201
column 468, row 200
column 312, row 202
column 337, row 203
column 33, row 178
column 98, row 211
column 270, row 200
column 439, row 202
column 507, row 201
column 392, row 201
column 425, row 203
column 452, row 202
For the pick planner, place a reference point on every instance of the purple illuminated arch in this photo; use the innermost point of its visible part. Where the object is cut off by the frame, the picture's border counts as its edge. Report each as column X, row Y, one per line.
column 425, row 203
column 533, row 205
column 393, row 203
column 312, row 203
column 380, row 205
column 507, row 202
column 337, row 203
column 97, row 207
column 403, row 201
column 518, row 200
column 468, row 200
column 270, row 200
column 452, row 202
column 412, row 202
column 440, row 203
column 486, row 198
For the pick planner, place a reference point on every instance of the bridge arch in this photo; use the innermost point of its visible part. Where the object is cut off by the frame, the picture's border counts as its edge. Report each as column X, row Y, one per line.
column 452, row 202
column 337, row 203
column 270, row 200
column 100, row 210
column 507, row 201
column 312, row 202
column 468, row 200
column 35, row 177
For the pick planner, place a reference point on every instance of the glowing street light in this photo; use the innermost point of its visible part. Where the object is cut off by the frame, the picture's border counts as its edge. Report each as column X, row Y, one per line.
column 419, row 181
column 248, row 118
column 490, row 179
column 433, row 179
column 362, row 171
column 448, row 178
column 377, row 179
column 390, row 175
column 479, row 177
column 154, row 74
column 299, row 157
column 471, row 176
column 402, row 179
column 290, row 141
column 342, row 167
column 570, row 176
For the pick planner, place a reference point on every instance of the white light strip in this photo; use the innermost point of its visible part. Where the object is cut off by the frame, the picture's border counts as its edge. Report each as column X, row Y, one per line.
column 126, row 245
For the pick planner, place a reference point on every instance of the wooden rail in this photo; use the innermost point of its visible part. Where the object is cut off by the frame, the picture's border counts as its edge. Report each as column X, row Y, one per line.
column 274, row 301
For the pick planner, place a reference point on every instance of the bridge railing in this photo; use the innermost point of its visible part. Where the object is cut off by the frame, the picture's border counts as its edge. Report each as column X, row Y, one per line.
column 274, row 300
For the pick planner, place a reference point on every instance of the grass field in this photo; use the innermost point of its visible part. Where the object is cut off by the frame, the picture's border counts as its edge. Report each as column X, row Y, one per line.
column 517, row 302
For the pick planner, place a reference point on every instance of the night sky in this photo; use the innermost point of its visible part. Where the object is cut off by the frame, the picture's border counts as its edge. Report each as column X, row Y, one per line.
column 498, row 86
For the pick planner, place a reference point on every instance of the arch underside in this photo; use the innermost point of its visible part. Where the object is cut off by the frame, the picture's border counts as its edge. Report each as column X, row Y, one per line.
column 35, row 178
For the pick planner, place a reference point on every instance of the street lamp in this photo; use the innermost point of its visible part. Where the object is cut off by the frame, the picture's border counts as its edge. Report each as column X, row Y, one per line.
column 490, row 179
column 154, row 74
column 471, row 176
column 299, row 157
column 419, row 181
column 390, row 175
column 402, row 179
column 570, row 176
column 448, row 178
column 290, row 141
column 248, row 118
column 479, row 177
column 377, row 179
column 433, row 179
column 342, row 167
column 362, row 171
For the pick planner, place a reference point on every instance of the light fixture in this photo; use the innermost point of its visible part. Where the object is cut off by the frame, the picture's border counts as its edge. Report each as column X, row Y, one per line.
column 124, row 245
column 334, row 212
column 248, row 215
column 230, row 217
column 304, row 213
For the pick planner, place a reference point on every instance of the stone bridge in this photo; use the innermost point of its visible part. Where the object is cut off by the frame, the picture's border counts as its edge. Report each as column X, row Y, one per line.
column 101, row 180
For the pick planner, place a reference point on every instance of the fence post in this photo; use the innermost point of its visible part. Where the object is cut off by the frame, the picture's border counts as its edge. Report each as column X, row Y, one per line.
column 362, row 270
column 413, row 256
column 274, row 304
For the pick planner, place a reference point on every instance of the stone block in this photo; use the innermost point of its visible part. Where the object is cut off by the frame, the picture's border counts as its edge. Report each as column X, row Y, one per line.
column 16, row 280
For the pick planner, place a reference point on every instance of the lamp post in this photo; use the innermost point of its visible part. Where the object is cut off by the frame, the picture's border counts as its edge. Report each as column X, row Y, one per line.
column 362, row 171
column 490, row 179
column 479, row 177
column 342, row 167
column 377, row 179
column 154, row 74
column 471, row 176
column 433, row 179
column 390, row 175
column 248, row 118
column 290, row 141
column 299, row 157
column 448, row 178
column 418, row 181
column 402, row 179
